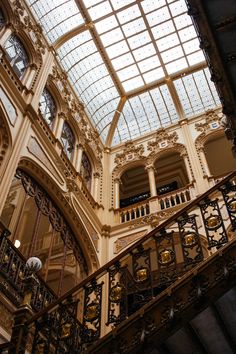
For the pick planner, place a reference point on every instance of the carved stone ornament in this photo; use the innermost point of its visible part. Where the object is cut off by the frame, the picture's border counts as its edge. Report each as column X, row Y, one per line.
column 212, row 121
column 91, row 137
column 162, row 140
column 123, row 242
column 152, row 220
column 130, row 153
column 71, row 104
column 23, row 21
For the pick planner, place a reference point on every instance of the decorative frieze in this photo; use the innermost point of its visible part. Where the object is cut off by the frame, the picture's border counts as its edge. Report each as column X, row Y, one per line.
column 130, row 153
column 123, row 242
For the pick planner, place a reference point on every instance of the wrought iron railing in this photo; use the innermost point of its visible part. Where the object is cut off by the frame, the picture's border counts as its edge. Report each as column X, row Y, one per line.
column 13, row 271
column 135, row 277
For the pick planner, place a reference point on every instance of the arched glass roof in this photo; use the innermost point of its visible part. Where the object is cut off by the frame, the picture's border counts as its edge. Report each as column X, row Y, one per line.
column 136, row 65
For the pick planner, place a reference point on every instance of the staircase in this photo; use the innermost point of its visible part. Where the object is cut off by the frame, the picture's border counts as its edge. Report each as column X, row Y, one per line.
column 170, row 292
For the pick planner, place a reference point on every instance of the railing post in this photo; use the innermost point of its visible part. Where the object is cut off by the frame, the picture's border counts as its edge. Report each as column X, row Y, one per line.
column 24, row 312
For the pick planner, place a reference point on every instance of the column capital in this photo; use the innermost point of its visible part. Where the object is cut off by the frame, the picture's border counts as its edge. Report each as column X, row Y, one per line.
column 117, row 180
column 150, row 167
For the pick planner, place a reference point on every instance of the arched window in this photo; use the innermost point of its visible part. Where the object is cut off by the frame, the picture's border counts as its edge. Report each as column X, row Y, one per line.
column 86, row 171
column 17, row 55
column 67, row 140
column 47, row 107
column 2, row 19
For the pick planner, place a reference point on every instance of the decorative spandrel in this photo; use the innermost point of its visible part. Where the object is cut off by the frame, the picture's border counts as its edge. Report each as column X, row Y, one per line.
column 67, row 140
column 17, row 55
column 47, row 107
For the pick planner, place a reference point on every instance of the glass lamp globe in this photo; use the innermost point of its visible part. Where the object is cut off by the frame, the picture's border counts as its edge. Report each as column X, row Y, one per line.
column 33, row 264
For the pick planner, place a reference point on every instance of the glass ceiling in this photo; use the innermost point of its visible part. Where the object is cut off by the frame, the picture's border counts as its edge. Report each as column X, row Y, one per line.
column 132, row 63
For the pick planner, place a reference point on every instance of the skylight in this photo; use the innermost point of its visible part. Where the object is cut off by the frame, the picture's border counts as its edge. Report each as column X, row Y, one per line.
column 140, row 58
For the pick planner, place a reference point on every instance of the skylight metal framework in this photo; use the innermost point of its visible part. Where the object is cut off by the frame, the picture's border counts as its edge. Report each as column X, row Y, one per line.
column 136, row 64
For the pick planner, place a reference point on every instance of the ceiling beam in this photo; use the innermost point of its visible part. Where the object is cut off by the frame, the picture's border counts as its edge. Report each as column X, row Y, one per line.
column 115, row 121
column 72, row 33
column 100, row 47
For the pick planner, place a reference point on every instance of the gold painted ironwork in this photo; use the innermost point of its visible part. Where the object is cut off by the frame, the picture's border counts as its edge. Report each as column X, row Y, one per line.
column 141, row 274
column 232, row 206
column 165, row 256
column 116, row 293
column 40, row 348
column 92, row 312
column 189, row 239
column 213, row 221
column 66, row 330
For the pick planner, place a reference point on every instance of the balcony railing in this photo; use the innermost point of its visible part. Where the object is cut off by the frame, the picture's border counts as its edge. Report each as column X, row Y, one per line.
column 12, row 273
column 134, row 278
column 164, row 201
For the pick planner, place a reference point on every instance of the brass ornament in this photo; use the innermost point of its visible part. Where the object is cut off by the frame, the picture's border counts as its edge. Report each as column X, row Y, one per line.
column 232, row 206
column 66, row 330
column 189, row 239
column 213, row 222
column 141, row 274
column 116, row 293
column 165, row 257
column 92, row 312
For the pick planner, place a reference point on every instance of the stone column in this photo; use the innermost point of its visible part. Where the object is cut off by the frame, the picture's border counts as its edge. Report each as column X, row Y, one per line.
column 116, row 193
column 78, row 156
column 188, row 167
column 204, row 162
column 201, row 183
column 58, row 125
column 152, row 182
column 96, row 179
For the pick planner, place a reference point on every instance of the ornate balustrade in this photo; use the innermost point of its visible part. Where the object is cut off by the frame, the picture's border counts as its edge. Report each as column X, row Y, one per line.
column 175, row 198
column 165, row 201
column 12, row 273
column 137, row 276
column 134, row 211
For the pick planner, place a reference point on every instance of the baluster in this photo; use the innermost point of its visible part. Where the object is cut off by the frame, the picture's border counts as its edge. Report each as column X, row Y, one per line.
column 92, row 311
column 166, row 258
column 142, row 290
column 117, row 301
column 228, row 191
column 213, row 222
column 190, row 240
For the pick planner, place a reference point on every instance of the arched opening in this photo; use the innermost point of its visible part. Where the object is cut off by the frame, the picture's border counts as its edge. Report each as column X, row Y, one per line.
column 47, row 107
column 67, row 140
column 219, row 156
column 86, row 171
column 39, row 229
column 171, row 173
column 134, row 186
column 17, row 55
column 171, row 177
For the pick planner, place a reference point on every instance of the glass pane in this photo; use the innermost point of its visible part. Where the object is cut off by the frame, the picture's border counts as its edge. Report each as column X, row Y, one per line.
column 17, row 55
